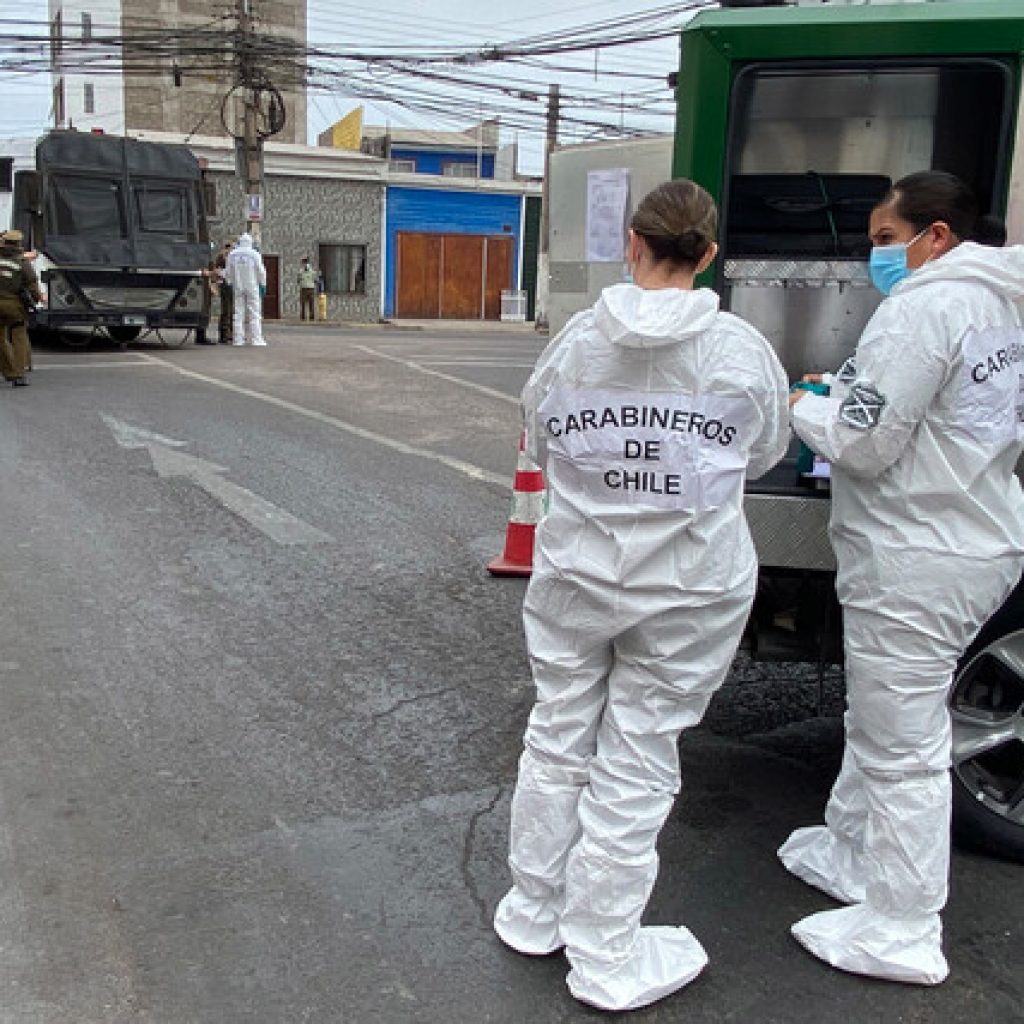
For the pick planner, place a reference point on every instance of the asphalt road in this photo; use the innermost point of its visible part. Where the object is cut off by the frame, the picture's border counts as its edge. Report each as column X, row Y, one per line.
column 261, row 706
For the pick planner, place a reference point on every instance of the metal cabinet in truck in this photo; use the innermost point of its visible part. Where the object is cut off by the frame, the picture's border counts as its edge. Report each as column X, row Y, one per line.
column 798, row 119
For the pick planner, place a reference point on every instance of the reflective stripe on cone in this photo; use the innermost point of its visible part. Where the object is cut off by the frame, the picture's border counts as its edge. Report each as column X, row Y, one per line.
column 527, row 508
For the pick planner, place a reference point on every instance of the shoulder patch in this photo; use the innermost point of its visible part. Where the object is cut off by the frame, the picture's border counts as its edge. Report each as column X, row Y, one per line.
column 862, row 407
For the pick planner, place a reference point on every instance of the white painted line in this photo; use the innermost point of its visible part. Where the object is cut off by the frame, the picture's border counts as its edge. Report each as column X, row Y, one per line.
column 409, row 364
column 274, row 522
column 128, row 436
column 466, row 468
column 85, row 364
column 483, row 364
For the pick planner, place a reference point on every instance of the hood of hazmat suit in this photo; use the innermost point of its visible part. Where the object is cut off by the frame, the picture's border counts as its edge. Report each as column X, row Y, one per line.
column 244, row 269
column 923, row 432
column 650, row 410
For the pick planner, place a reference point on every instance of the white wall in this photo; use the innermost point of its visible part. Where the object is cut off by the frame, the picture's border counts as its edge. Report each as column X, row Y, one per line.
column 108, row 86
column 576, row 283
column 24, row 153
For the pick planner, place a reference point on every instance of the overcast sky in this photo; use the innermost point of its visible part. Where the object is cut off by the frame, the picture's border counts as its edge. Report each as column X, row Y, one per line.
column 394, row 24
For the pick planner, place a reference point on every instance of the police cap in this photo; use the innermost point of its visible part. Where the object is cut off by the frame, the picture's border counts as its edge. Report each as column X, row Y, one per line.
column 12, row 237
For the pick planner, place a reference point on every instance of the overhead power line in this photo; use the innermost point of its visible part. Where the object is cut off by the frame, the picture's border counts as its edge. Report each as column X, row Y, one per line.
column 425, row 79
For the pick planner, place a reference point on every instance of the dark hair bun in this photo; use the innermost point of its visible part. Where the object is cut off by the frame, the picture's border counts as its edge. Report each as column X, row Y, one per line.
column 690, row 246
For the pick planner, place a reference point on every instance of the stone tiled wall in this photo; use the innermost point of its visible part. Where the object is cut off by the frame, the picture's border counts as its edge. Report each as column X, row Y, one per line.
column 299, row 214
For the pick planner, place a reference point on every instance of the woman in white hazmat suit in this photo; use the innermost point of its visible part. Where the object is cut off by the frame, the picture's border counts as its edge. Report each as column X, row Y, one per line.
column 245, row 273
column 923, row 431
column 653, row 407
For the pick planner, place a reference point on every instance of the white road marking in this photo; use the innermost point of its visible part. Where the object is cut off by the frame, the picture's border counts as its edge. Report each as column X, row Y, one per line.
column 409, row 364
column 466, row 468
column 105, row 364
column 274, row 522
column 483, row 363
column 128, row 436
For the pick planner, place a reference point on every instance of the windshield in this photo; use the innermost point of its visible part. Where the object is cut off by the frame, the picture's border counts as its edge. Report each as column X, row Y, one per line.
column 87, row 206
column 162, row 210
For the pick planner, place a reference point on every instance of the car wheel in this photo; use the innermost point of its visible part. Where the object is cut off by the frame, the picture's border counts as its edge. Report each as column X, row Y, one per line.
column 987, row 707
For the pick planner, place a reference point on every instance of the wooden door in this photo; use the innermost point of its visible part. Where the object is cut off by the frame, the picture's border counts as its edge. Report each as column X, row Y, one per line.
column 418, row 276
column 272, row 300
column 497, row 274
column 462, row 277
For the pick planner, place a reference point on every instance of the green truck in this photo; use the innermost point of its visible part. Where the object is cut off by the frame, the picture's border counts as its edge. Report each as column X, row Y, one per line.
column 797, row 119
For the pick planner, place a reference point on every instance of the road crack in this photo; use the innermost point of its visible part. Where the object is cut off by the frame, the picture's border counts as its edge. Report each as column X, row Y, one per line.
column 467, row 857
column 411, row 700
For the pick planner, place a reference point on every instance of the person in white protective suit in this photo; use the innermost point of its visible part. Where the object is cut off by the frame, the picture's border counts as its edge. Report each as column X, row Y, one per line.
column 245, row 273
column 923, row 431
column 654, row 407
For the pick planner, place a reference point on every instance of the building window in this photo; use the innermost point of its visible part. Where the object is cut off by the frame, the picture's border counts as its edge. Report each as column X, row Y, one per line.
column 210, row 199
column 403, row 165
column 344, row 269
column 89, row 98
column 6, row 174
column 458, row 169
column 86, row 26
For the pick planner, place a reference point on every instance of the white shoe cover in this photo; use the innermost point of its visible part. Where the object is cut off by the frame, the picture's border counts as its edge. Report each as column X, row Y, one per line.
column 529, row 925
column 825, row 860
column 861, row 940
column 662, row 961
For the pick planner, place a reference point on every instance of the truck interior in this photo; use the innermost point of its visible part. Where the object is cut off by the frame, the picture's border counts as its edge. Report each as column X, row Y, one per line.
column 812, row 147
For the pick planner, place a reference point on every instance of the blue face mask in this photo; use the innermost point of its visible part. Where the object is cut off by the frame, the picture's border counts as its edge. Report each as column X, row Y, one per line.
column 888, row 264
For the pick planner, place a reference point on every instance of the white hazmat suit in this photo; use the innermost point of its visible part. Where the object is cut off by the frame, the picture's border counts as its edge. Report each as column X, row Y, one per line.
column 245, row 273
column 654, row 407
column 928, row 529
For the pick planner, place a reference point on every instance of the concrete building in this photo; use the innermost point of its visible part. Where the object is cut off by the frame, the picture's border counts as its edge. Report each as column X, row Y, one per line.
column 174, row 67
column 324, row 204
column 388, row 243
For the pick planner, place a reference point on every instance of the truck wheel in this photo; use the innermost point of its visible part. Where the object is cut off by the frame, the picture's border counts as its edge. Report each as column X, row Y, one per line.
column 987, row 707
column 123, row 335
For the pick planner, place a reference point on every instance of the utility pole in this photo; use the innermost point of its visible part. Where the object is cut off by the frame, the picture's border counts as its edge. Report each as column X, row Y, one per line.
column 540, row 313
column 252, row 139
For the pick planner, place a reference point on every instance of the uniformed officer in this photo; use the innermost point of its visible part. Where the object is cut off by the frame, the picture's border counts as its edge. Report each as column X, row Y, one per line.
column 17, row 279
column 223, row 289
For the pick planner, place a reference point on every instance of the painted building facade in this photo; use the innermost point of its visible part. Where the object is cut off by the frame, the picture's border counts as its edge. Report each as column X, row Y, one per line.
column 327, row 205
column 473, row 153
column 451, row 252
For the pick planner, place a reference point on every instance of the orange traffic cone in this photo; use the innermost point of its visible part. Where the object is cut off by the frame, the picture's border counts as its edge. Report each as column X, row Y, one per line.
column 527, row 508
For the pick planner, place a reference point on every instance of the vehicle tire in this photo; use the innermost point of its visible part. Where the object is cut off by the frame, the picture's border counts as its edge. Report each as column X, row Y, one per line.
column 987, row 708
column 123, row 335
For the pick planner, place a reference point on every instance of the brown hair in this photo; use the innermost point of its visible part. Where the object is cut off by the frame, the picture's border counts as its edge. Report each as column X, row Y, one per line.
column 678, row 221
